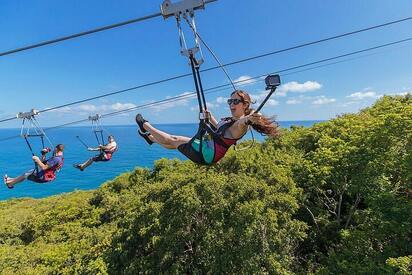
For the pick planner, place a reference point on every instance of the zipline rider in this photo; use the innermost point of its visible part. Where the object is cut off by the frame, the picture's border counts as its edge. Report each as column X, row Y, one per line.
column 45, row 171
column 106, row 153
column 213, row 139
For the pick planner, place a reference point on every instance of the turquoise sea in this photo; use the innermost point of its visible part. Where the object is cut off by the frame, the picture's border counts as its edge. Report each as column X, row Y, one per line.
column 15, row 158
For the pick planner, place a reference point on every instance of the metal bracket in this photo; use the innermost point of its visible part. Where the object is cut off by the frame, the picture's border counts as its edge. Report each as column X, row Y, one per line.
column 27, row 115
column 169, row 9
column 95, row 118
column 185, row 10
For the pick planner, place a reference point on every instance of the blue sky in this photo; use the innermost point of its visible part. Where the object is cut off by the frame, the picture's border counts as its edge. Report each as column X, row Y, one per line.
column 148, row 51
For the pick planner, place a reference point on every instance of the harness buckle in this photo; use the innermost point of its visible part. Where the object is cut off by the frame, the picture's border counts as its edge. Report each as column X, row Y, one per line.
column 204, row 115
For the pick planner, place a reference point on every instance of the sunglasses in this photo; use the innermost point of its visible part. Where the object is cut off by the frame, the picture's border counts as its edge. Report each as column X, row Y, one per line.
column 234, row 101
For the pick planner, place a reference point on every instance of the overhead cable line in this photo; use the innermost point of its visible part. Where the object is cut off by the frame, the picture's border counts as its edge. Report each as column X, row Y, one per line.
column 314, row 42
column 84, row 33
column 228, row 85
column 72, row 36
column 217, row 67
column 263, row 75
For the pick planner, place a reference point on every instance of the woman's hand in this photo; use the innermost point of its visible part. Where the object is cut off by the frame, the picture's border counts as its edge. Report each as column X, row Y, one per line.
column 254, row 118
column 211, row 118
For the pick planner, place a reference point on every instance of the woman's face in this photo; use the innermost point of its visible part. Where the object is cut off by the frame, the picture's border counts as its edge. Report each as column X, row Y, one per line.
column 237, row 106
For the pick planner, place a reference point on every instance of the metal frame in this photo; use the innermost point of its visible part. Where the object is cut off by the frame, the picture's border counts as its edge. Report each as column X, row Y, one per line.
column 97, row 128
column 185, row 9
column 32, row 124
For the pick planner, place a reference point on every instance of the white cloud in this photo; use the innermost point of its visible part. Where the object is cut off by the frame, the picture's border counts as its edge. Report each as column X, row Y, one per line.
column 296, row 87
column 89, row 107
column 65, row 110
column 122, row 106
column 272, row 102
column 221, row 100
column 85, row 109
column 403, row 93
column 260, row 96
column 363, row 95
column 322, row 100
column 293, row 101
column 244, row 80
column 183, row 101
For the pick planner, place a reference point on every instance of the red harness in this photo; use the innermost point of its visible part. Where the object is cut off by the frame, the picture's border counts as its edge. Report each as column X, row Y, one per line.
column 50, row 173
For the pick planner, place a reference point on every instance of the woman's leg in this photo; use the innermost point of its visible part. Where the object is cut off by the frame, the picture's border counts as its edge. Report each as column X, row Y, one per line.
column 12, row 181
column 155, row 141
column 164, row 139
column 86, row 163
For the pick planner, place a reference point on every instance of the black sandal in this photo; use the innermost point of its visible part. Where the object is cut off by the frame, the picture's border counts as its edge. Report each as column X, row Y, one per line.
column 140, row 121
column 78, row 166
column 146, row 137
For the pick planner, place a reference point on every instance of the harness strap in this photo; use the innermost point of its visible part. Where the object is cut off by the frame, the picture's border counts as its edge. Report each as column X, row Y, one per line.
column 97, row 138
column 199, row 92
column 201, row 88
column 36, row 167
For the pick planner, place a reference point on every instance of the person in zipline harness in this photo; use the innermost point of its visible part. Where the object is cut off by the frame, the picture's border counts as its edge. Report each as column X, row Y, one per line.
column 227, row 132
column 45, row 171
column 106, row 153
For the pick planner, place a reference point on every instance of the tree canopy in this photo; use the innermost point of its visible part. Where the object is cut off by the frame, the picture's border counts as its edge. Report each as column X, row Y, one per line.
column 334, row 198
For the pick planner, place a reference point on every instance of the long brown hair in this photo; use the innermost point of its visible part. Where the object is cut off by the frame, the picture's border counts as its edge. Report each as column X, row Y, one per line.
column 266, row 125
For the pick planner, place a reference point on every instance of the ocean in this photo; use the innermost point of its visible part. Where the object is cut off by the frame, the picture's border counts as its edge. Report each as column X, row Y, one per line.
column 15, row 157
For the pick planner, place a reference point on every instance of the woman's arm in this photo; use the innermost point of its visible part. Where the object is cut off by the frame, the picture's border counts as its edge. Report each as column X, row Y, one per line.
column 39, row 163
column 109, row 146
column 239, row 128
column 93, row 149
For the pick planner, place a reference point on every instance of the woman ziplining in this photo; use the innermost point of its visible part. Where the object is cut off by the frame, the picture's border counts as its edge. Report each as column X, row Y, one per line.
column 45, row 170
column 213, row 138
column 209, row 145
column 106, row 149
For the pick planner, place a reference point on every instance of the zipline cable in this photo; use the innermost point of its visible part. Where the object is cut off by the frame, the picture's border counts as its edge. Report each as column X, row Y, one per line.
column 84, row 33
column 260, row 76
column 211, row 52
column 217, row 67
column 228, row 86
column 72, row 36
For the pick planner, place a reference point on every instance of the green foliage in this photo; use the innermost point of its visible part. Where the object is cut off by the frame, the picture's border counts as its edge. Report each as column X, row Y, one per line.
column 401, row 265
column 208, row 221
column 331, row 199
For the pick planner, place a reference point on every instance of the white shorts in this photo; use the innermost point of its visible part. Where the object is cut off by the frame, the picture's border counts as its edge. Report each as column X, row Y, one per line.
column 28, row 173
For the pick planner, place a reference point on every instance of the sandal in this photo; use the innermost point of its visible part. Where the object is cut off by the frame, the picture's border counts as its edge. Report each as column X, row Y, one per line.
column 146, row 137
column 78, row 166
column 140, row 121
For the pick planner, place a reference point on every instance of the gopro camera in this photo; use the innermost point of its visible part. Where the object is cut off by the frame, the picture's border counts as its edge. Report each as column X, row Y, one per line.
column 272, row 81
